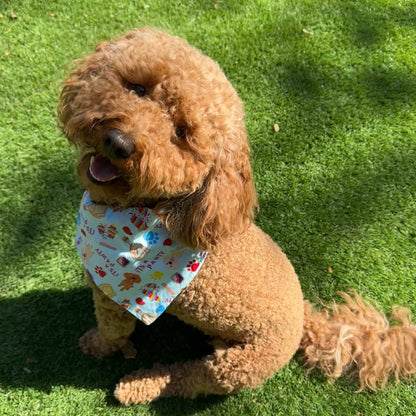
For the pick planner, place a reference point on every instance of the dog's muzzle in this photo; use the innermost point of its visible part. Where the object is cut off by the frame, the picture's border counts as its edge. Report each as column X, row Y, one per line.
column 116, row 146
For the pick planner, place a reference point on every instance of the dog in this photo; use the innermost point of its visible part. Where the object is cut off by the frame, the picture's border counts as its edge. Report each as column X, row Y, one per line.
column 161, row 137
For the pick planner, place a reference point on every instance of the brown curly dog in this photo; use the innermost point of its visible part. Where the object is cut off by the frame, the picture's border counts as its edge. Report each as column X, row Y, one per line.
column 158, row 124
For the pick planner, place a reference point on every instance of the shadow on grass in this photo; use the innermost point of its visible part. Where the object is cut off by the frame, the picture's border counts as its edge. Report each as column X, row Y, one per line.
column 369, row 25
column 324, row 100
column 49, row 199
column 39, row 345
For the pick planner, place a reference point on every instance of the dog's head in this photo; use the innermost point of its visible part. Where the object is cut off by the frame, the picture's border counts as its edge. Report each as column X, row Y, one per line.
column 158, row 124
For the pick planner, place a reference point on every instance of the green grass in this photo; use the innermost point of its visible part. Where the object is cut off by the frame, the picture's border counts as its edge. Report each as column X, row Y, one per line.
column 337, row 186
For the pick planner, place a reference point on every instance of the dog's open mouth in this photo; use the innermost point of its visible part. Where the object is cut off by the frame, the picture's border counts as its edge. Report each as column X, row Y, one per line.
column 101, row 170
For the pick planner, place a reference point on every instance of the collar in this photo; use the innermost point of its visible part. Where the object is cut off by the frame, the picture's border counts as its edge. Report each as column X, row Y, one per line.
column 132, row 259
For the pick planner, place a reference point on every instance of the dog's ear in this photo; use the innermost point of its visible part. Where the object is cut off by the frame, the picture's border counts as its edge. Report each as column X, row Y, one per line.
column 71, row 118
column 74, row 109
column 223, row 205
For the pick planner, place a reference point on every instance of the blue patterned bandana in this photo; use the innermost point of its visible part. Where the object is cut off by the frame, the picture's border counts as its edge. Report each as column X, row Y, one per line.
column 132, row 259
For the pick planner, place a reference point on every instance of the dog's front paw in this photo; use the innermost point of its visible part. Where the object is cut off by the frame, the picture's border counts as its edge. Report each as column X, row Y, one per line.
column 128, row 350
column 92, row 344
column 141, row 387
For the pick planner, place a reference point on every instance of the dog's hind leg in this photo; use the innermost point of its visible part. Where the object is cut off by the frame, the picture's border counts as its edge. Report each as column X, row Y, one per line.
column 114, row 327
column 229, row 369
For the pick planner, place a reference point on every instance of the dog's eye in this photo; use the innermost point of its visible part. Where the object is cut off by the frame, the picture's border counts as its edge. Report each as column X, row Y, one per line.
column 139, row 89
column 180, row 132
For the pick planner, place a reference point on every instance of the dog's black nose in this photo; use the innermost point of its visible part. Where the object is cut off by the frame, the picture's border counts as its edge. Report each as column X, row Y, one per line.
column 118, row 145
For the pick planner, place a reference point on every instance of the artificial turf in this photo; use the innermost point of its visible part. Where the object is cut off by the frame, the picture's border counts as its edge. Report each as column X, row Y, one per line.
column 336, row 185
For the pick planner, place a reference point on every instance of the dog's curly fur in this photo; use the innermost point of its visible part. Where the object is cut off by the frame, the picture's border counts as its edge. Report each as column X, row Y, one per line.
column 187, row 158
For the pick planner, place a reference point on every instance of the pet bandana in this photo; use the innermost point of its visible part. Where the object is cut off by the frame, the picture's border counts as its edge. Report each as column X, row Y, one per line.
column 132, row 259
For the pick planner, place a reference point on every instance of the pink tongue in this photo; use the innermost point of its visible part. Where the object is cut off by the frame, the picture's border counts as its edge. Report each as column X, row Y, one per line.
column 101, row 169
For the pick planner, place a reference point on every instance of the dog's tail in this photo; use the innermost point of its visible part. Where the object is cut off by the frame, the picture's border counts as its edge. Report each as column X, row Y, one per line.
column 355, row 335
